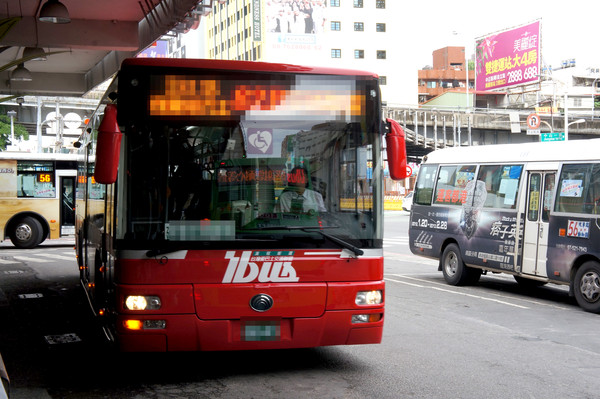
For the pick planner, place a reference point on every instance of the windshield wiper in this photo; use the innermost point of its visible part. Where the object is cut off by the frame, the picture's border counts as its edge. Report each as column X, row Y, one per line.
column 344, row 244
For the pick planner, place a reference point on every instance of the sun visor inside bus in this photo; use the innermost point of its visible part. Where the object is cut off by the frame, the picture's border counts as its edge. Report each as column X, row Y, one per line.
column 108, row 147
column 396, row 150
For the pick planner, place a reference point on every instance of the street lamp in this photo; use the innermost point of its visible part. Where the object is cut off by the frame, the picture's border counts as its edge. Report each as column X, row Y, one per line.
column 574, row 123
column 12, row 115
column 565, row 105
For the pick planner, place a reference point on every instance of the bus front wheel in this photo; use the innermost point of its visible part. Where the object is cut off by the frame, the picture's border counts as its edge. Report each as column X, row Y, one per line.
column 26, row 233
column 587, row 286
column 454, row 269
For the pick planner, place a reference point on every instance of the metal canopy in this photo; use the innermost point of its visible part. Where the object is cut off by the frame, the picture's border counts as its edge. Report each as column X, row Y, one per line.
column 100, row 35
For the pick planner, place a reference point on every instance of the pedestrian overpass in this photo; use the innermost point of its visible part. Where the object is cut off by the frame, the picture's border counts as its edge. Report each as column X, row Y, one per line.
column 430, row 129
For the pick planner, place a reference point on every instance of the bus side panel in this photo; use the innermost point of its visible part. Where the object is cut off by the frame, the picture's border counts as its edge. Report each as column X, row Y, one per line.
column 570, row 238
column 487, row 238
column 47, row 209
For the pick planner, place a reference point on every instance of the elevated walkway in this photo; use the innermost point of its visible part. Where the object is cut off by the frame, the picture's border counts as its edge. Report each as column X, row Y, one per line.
column 430, row 129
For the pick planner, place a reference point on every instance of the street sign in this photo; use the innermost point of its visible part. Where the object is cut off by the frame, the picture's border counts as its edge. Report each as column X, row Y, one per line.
column 533, row 121
column 408, row 171
column 556, row 136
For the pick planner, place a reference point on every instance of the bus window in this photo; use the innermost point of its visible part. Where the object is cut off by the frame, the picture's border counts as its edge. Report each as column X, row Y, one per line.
column 579, row 189
column 451, row 184
column 35, row 179
column 424, row 186
column 501, row 184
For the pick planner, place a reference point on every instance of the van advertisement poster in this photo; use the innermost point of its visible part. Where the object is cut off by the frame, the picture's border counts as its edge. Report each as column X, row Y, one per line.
column 508, row 58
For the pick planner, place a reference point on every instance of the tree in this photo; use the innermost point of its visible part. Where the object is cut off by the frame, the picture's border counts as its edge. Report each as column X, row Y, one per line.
column 20, row 130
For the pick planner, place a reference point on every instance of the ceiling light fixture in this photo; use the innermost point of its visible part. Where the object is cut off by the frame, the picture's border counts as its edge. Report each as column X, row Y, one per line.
column 21, row 74
column 54, row 12
column 38, row 52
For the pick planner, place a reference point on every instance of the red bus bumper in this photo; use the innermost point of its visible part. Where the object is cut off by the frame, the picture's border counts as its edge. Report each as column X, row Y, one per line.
column 188, row 333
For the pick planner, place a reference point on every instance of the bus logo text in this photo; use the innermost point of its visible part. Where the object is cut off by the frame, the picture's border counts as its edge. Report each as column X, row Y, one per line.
column 274, row 267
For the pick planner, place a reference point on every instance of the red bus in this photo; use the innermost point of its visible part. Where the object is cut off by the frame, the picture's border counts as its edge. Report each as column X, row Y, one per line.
column 242, row 209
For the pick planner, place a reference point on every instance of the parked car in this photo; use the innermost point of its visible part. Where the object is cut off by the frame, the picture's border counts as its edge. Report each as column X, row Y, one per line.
column 407, row 202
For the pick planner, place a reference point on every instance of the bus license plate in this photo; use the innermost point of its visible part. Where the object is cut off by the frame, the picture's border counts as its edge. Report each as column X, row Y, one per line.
column 261, row 331
column 578, row 228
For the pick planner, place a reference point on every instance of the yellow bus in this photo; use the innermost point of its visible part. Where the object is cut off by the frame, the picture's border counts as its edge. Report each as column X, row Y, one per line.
column 37, row 197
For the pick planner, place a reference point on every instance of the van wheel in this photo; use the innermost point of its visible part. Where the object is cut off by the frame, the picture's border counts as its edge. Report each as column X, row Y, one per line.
column 587, row 286
column 26, row 233
column 454, row 269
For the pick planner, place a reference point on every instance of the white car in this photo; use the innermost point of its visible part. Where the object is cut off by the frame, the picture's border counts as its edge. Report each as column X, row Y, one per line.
column 407, row 202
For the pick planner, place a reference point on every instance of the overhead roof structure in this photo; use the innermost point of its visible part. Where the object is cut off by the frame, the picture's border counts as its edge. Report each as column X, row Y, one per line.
column 89, row 49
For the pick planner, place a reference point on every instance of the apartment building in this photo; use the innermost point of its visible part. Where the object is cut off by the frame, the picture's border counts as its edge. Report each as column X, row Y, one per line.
column 447, row 74
column 351, row 34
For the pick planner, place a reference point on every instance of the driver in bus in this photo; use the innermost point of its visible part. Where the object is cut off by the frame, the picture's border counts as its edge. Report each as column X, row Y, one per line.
column 297, row 197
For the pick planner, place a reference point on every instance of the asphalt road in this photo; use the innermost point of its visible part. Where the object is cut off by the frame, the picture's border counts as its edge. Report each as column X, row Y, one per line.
column 492, row 340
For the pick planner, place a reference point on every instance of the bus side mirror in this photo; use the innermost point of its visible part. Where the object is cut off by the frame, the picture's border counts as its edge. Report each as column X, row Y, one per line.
column 396, row 150
column 108, row 147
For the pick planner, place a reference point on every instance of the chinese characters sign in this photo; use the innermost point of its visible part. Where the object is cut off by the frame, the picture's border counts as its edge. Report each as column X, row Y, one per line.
column 508, row 58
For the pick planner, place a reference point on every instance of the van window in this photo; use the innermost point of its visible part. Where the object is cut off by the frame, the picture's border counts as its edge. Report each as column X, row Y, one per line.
column 424, row 186
column 451, row 184
column 501, row 185
column 578, row 190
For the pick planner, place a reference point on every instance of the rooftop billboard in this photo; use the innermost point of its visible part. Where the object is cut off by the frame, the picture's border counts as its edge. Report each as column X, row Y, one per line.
column 508, row 58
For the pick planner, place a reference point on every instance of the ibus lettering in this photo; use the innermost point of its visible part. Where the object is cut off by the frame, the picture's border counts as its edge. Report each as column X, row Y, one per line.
column 241, row 270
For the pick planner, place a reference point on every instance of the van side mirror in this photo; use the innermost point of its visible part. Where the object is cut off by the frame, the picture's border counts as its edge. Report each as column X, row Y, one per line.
column 108, row 147
column 396, row 150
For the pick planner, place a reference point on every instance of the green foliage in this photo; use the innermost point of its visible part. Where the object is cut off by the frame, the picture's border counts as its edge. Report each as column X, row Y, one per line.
column 20, row 131
column 597, row 102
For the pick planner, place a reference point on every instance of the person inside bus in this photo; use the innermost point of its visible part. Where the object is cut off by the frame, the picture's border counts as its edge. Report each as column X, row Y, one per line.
column 297, row 197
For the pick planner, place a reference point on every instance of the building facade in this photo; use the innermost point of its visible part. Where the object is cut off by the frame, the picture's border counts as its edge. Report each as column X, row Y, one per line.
column 449, row 73
column 350, row 34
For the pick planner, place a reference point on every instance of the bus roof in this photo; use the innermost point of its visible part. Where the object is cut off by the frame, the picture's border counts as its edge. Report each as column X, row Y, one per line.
column 38, row 156
column 251, row 66
column 574, row 150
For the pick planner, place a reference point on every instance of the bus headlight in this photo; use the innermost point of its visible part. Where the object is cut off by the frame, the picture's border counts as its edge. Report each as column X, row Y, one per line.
column 140, row 302
column 369, row 298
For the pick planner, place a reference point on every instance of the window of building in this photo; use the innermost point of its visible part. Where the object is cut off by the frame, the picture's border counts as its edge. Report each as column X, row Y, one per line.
column 336, row 53
column 381, row 54
column 358, row 3
column 380, row 3
column 359, row 54
column 359, row 26
column 383, row 80
column 336, row 25
column 380, row 27
column 334, row 3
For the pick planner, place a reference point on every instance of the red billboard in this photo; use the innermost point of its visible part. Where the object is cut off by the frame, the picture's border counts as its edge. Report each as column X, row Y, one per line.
column 508, row 58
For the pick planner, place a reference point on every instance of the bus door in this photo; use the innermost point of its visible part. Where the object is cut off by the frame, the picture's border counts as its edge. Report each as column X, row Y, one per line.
column 67, row 203
column 540, row 192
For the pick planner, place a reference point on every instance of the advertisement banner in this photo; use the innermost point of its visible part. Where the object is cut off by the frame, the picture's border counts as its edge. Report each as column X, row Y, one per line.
column 509, row 58
column 295, row 30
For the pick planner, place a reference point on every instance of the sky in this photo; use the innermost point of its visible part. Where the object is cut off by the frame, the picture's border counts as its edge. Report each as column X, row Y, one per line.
column 569, row 28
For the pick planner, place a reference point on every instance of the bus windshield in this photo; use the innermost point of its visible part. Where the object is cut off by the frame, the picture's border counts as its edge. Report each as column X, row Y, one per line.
column 283, row 165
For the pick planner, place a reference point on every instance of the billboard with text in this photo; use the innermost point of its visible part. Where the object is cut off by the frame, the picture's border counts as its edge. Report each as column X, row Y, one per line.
column 508, row 58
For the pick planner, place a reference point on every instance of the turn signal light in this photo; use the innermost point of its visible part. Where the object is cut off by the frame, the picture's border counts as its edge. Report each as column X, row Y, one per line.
column 366, row 318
